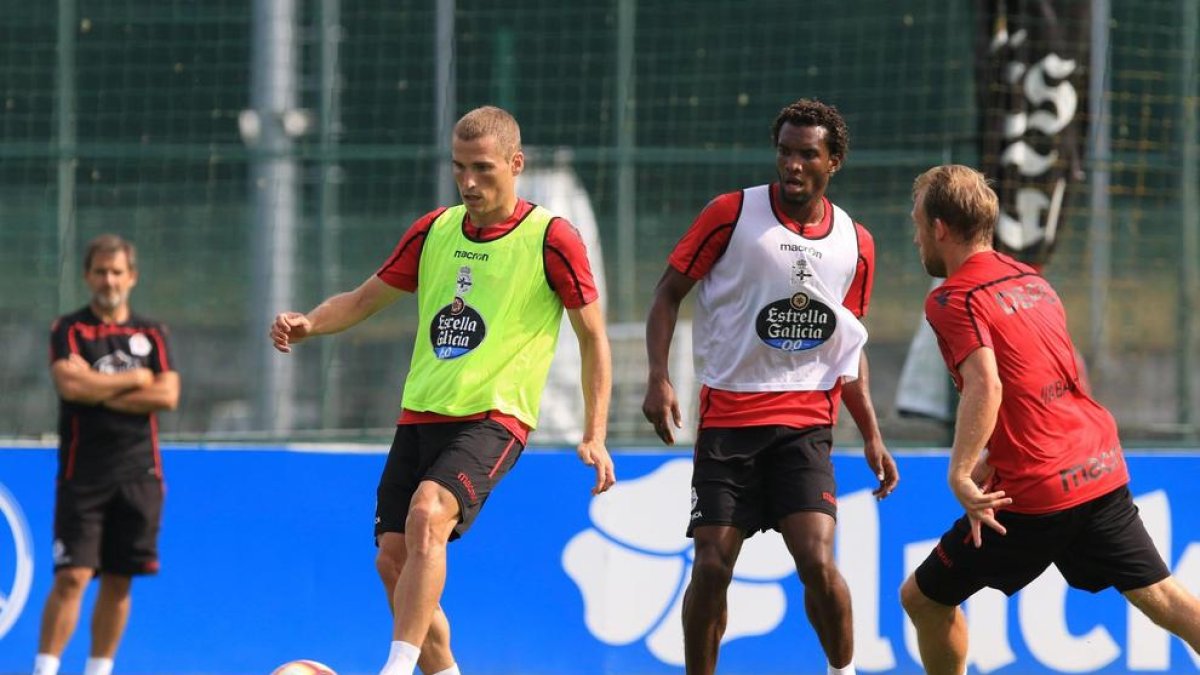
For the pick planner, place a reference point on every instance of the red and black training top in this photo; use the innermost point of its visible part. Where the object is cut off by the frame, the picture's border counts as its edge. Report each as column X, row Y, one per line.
column 1053, row 446
column 97, row 444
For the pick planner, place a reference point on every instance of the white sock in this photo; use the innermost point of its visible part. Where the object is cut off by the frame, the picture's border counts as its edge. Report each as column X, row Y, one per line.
column 97, row 665
column 45, row 664
column 452, row 670
column 402, row 660
column 847, row 669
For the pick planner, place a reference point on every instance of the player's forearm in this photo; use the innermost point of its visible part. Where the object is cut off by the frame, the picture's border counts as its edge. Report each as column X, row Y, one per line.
column 596, row 377
column 857, row 396
column 163, row 394
column 976, row 419
column 344, row 310
column 338, row 313
column 660, row 329
column 90, row 387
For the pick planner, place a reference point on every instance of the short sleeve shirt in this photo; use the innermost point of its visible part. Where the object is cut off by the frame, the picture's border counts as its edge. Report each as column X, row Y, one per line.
column 1054, row 446
column 97, row 444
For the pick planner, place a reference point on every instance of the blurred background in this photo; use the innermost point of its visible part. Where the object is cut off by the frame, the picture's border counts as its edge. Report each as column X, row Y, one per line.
column 265, row 154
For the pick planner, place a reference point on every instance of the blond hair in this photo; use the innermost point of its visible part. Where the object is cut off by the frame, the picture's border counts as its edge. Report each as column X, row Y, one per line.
column 960, row 197
column 491, row 121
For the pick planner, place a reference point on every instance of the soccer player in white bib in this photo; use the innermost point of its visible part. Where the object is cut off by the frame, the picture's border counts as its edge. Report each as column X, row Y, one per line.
column 784, row 278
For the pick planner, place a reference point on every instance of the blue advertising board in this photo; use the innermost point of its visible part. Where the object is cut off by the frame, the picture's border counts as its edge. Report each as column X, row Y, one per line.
column 267, row 556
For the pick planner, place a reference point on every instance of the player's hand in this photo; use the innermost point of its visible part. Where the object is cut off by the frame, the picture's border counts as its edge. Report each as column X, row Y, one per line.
column 980, row 506
column 288, row 329
column 883, row 466
column 144, row 376
column 594, row 454
column 661, row 408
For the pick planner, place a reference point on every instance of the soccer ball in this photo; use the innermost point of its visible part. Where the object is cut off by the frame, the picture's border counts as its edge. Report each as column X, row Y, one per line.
column 303, row 667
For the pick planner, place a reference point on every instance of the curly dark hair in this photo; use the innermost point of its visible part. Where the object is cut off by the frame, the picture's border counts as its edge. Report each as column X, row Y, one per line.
column 813, row 113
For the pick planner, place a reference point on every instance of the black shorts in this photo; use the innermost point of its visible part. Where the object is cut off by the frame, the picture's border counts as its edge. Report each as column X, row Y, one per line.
column 467, row 458
column 1095, row 545
column 109, row 527
column 751, row 477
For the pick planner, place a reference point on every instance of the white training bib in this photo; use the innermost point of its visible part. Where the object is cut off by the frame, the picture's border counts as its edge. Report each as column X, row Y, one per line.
column 769, row 314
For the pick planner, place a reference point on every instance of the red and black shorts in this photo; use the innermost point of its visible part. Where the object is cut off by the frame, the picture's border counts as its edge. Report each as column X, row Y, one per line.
column 110, row 527
column 1095, row 545
column 752, row 477
column 466, row 458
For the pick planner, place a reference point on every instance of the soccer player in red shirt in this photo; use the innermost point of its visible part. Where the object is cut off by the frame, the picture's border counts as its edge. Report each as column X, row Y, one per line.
column 1035, row 459
column 784, row 276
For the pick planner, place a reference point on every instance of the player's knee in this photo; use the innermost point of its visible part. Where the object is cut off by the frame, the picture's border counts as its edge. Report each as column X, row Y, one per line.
column 914, row 602
column 712, row 570
column 388, row 564
column 429, row 522
column 71, row 582
column 116, row 585
column 817, row 570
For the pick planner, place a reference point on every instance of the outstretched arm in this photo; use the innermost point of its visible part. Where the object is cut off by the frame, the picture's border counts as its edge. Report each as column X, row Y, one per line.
column 977, row 410
column 334, row 315
column 857, row 395
column 596, row 376
column 661, row 407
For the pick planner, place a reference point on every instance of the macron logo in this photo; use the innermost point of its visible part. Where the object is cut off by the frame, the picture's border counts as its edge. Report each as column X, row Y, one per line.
column 471, row 255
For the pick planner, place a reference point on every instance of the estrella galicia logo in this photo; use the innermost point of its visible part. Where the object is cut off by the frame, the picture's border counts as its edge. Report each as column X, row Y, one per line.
column 14, row 590
column 455, row 330
column 796, row 323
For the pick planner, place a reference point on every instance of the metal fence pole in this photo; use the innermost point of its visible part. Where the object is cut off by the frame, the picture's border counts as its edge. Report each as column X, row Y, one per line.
column 329, row 203
column 1100, row 148
column 1189, row 250
column 625, row 105
column 446, row 99
column 65, row 118
column 274, row 188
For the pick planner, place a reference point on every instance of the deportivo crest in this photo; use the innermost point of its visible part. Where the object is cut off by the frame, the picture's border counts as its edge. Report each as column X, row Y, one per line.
column 464, row 281
column 796, row 323
column 800, row 273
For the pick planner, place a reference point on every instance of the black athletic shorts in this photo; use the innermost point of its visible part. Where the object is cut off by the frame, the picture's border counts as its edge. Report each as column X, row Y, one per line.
column 1095, row 545
column 751, row 477
column 467, row 458
column 109, row 527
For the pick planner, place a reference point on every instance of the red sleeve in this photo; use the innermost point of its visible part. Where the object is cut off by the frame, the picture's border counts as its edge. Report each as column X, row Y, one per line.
column 400, row 270
column 706, row 240
column 567, row 267
column 858, row 298
column 958, row 329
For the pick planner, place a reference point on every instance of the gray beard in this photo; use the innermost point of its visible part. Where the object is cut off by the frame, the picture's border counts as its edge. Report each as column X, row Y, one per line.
column 109, row 301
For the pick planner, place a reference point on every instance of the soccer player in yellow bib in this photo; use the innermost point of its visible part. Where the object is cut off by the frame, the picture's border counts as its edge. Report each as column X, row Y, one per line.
column 492, row 277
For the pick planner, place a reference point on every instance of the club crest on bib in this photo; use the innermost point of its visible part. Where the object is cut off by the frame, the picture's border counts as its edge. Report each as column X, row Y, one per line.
column 457, row 328
column 796, row 323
